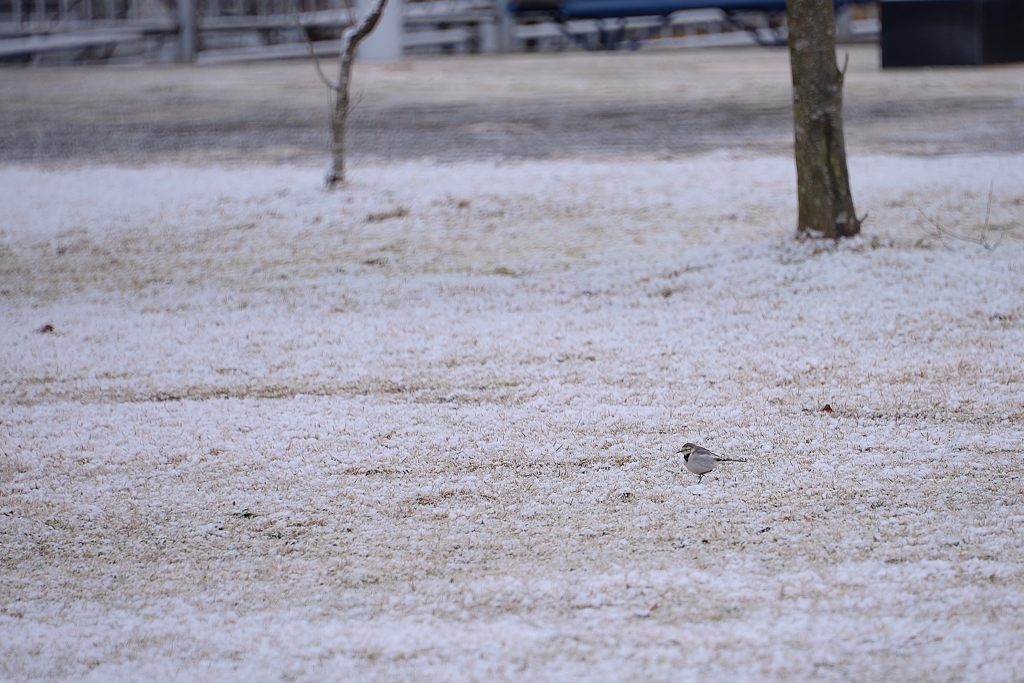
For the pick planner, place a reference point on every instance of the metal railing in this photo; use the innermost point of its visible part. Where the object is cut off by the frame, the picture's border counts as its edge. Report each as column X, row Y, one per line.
column 38, row 26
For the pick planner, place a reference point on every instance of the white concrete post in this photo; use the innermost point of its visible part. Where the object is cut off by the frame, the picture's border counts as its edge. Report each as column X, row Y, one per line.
column 384, row 44
column 187, row 30
column 844, row 29
column 506, row 27
column 489, row 40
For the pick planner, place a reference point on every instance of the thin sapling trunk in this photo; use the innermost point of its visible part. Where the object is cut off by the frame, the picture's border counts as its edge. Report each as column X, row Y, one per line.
column 350, row 40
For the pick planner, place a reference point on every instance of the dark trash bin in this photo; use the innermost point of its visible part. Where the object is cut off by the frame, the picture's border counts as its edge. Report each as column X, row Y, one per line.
column 951, row 32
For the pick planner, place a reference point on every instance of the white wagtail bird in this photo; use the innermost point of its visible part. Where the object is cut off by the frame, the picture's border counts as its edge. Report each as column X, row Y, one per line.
column 700, row 460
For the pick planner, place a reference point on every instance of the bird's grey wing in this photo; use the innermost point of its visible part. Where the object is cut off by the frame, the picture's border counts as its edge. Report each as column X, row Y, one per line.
column 700, row 450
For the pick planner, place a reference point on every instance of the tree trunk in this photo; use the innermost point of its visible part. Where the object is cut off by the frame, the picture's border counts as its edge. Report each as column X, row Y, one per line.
column 350, row 40
column 823, row 181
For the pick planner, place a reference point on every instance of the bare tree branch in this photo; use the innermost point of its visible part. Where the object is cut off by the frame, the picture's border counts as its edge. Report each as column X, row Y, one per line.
column 942, row 234
column 355, row 33
column 309, row 45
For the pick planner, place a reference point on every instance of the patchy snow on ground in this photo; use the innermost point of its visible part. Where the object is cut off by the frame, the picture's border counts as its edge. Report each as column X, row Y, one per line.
column 424, row 428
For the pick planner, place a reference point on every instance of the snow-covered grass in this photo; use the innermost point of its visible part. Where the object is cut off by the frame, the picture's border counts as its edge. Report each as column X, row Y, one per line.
column 424, row 428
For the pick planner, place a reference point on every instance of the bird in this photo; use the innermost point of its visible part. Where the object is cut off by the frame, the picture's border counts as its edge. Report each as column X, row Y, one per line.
column 700, row 460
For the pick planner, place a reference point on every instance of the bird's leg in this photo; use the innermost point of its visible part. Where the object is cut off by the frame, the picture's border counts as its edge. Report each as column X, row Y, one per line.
column 700, row 478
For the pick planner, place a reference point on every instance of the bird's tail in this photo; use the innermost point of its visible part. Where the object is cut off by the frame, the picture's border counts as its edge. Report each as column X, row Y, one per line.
column 732, row 460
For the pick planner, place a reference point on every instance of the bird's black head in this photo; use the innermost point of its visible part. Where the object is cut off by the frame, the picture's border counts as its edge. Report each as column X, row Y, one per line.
column 687, row 450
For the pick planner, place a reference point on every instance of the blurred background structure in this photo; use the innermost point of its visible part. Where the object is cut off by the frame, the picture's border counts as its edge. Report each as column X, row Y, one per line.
column 69, row 31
